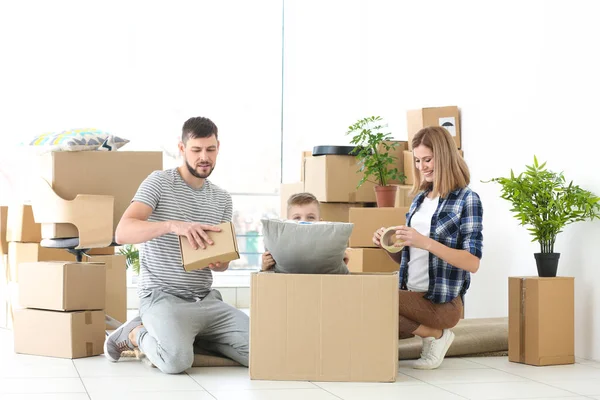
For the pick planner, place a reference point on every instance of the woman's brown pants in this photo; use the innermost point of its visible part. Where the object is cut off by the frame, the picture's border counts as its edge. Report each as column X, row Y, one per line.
column 416, row 310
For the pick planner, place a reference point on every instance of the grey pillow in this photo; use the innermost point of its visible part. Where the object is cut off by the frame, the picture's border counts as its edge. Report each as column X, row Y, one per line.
column 307, row 247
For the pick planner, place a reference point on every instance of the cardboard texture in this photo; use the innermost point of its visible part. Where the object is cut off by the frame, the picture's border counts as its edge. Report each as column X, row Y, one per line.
column 19, row 253
column 409, row 166
column 112, row 173
column 3, row 220
column 72, row 334
column 541, row 320
column 367, row 220
column 285, row 191
column 5, row 299
column 62, row 286
column 224, row 249
column 20, row 225
column 305, row 154
column 324, row 327
column 398, row 152
column 403, row 196
column 370, row 260
column 334, row 179
column 116, row 286
column 448, row 117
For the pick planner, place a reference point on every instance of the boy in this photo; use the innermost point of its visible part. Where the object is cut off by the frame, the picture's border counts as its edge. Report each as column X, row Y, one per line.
column 300, row 207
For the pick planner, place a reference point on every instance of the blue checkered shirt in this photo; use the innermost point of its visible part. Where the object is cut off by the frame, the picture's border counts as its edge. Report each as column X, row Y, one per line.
column 457, row 223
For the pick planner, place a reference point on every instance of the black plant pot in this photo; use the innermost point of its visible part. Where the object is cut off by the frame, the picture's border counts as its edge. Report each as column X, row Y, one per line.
column 547, row 264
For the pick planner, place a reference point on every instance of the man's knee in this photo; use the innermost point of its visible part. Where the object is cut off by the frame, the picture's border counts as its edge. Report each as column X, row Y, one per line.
column 176, row 362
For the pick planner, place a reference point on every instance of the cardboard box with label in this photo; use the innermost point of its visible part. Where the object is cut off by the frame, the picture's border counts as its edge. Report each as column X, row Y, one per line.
column 62, row 286
column 370, row 260
column 367, row 220
column 59, row 334
column 116, row 285
column 447, row 117
column 19, row 253
column 112, row 173
column 21, row 226
column 541, row 320
column 334, row 178
column 409, row 166
column 224, row 249
column 324, row 327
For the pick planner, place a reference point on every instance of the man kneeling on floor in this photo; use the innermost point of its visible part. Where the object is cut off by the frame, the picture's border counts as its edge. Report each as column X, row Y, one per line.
column 177, row 308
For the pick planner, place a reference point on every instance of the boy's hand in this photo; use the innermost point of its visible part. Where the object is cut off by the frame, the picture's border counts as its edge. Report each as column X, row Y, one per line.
column 219, row 266
column 346, row 256
column 267, row 261
column 195, row 233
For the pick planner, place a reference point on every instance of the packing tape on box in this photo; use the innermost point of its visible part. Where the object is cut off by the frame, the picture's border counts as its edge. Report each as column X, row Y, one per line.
column 387, row 240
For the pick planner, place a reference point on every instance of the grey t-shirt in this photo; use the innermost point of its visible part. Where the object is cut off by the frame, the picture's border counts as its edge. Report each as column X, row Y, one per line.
column 160, row 259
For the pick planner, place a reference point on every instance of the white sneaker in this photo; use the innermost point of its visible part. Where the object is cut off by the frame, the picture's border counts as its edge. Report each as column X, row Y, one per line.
column 424, row 351
column 437, row 350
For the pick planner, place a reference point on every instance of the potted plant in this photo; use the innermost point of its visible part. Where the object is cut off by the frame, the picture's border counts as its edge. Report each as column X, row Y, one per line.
column 132, row 257
column 372, row 147
column 544, row 201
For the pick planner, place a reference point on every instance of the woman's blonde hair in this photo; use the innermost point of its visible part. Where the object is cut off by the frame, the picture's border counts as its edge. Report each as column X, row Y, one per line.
column 450, row 169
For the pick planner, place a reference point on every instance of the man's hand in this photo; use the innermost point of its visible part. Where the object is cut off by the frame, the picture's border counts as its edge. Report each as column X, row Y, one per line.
column 219, row 266
column 195, row 233
column 267, row 261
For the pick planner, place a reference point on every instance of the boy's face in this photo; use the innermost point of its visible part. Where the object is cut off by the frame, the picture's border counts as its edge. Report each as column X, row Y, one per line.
column 305, row 212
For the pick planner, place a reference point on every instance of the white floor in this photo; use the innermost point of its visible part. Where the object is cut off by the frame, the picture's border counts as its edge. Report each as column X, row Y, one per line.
column 30, row 377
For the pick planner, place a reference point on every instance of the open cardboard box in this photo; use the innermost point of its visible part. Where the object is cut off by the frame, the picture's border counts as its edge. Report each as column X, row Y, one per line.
column 224, row 249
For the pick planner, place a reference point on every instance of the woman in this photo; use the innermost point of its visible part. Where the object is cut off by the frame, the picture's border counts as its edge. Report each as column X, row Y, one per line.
column 442, row 245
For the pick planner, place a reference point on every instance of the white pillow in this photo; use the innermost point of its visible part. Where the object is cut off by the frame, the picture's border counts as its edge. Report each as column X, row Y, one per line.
column 78, row 140
column 307, row 247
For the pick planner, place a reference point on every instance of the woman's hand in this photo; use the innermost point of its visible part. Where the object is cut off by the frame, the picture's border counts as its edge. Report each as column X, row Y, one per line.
column 412, row 238
column 377, row 236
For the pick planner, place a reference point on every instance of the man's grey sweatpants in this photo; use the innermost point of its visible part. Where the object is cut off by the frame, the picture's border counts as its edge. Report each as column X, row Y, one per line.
column 172, row 326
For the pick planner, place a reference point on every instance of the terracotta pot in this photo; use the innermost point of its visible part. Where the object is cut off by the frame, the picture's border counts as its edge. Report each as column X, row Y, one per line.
column 386, row 195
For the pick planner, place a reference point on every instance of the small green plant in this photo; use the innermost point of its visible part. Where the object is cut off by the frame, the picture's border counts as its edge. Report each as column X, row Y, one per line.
column 132, row 255
column 372, row 146
column 543, row 200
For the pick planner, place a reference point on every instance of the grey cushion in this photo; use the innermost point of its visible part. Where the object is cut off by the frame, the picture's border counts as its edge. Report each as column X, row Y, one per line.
column 307, row 247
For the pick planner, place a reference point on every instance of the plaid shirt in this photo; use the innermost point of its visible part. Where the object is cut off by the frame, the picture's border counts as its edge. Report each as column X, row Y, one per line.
column 457, row 223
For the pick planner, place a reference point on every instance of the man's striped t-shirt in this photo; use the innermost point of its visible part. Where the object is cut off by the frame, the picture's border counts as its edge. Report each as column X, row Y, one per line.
column 160, row 258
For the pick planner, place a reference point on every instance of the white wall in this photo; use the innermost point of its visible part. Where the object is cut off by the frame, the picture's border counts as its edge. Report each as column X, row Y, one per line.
column 526, row 75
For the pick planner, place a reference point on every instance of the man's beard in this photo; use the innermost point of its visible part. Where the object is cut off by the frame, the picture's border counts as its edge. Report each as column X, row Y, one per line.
column 196, row 173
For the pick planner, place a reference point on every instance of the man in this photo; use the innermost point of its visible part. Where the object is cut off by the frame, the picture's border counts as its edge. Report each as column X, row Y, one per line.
column 177, row 308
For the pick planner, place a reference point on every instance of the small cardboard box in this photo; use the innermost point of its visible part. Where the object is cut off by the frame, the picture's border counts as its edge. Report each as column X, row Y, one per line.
column 324, row 327
column 116, row 286
column 20, row 225
column 59, row 334
column 3, row 218
column 367, row 220
column 334, row 179
column 447, row 117
column 398, row 152
column 541, row 320
column 112, row 173
column 370, row 260
column 409, row 166
column 224, row 249
column 19, row 253
column 62, row 286
column 339, row 212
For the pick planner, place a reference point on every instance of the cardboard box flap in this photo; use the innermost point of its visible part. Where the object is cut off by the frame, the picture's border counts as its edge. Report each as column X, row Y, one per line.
column 225, row 248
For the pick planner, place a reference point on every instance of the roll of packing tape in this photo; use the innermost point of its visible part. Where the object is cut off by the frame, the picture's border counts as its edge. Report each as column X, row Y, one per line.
column 388, row 240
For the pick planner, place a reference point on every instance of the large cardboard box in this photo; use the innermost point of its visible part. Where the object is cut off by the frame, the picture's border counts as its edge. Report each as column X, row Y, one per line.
column 62, row 286
column 447, row 117
column 116, row 286
column 113, row 173
column 324, row 327
column 409, row 166
column 225, row 248
column 367, row 220
column 20, row 225
column 334, row 179
column 541, row 320
column 398, row 152
column 59, row 334
column 19, row 253
column 370, row 260
column 3, row 219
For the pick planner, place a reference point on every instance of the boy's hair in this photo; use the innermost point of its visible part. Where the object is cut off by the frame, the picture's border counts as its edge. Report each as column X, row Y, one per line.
column 451, row 171
column 301, row 199
column 198, row 127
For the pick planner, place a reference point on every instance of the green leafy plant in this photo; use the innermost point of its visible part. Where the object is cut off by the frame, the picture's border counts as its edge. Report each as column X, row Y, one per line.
column 132, row 257
column 372, row 146
column 543, row 200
